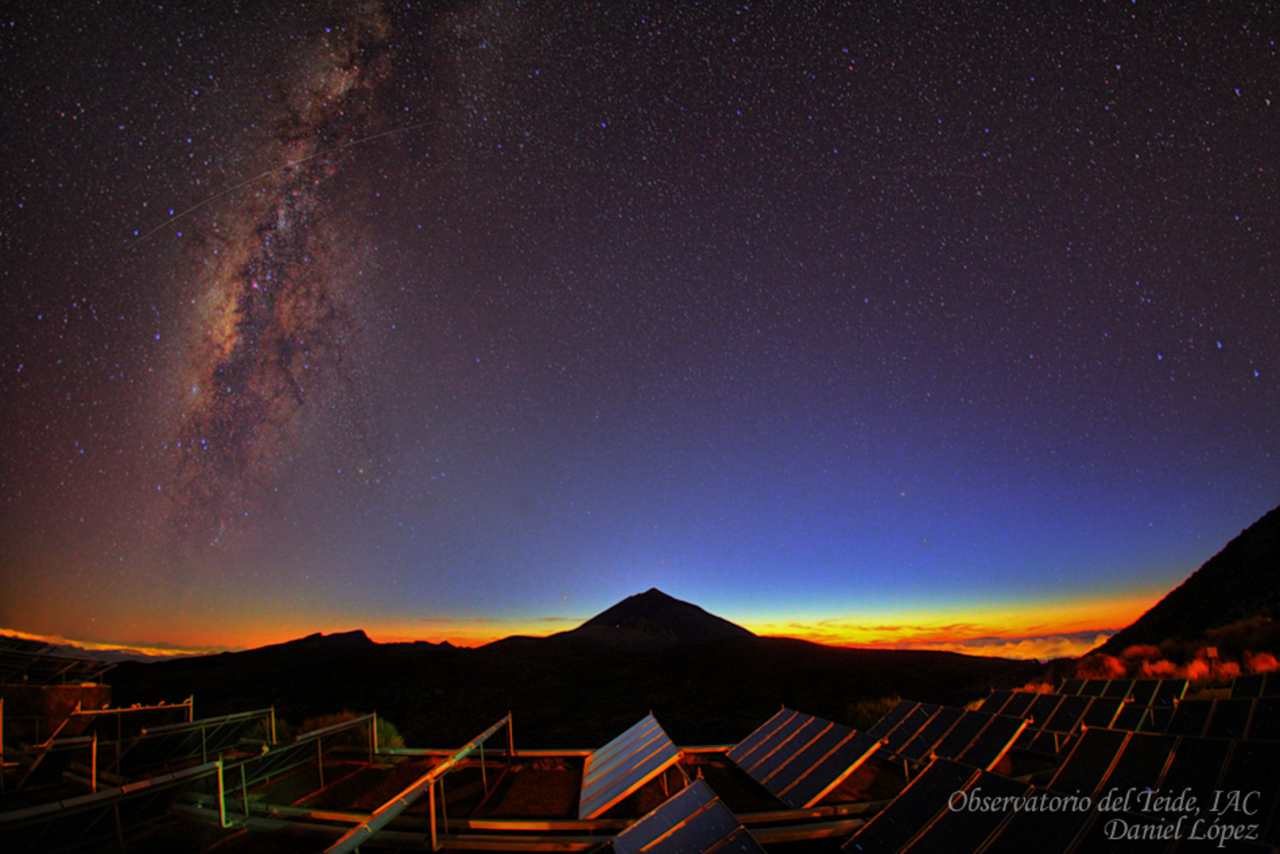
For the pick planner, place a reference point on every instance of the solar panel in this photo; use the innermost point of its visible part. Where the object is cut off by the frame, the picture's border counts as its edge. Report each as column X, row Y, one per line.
column 910, row 725
column 1018, row 703
column 965, row 829
column 917, row 750
column 1248, row 686
column 800, row 758
column 1118, row 688
column 995, row 702
column 692, row 821
column 1142, row 761
column 828, row 772
column 1102, row 711
column 1071, row 686
column 760, row 733
column 915, row 807
column 1169, row 692
column 37, row 663
column 1067, row 715
column 1093, row 687
column 809, row 731
column 778, row 736
column 624, row 765
column 1197, row 765
column 995, row 741
column 1191, row 717
column 1230, row 718
column 962, row 734
column 1042, row 708
column 1130, row 717
column 1143, row 691
column 1266, row 718
column 1251, row 774
column 1089, row 762
column 892, row 718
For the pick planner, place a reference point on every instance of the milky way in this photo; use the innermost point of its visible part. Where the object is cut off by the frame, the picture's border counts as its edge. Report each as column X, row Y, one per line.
column 272, row 328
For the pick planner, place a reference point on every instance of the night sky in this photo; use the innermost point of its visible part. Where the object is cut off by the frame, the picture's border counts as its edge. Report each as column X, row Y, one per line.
column 860, row 322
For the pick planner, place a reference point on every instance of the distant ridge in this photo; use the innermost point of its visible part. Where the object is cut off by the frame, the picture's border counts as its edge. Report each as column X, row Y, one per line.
column 653, row 617
column 318, row 642
column 1237, row 591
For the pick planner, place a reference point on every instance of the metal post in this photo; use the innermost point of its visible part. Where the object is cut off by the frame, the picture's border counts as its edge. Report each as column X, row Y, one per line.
column 320, row 758
column 244, row 790
column 444, row 807
column 273, row 725
column 204, row 751
column 484, row 778
column 373, row 737
column 93, row 764
column 222, row 799
column 191, row 708
column 511, row 741
column 431, row 809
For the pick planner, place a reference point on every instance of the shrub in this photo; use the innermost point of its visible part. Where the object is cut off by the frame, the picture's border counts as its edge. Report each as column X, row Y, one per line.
column 865, row 713
column 388, row 733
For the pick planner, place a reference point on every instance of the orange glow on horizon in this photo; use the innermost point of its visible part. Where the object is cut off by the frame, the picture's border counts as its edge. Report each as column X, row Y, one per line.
column 1061, row 629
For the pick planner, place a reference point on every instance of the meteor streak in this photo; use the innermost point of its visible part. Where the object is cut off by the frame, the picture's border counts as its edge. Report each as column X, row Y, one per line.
column 290, row 165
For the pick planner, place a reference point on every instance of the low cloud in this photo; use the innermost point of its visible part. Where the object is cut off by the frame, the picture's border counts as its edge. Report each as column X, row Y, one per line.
column 1039, row 647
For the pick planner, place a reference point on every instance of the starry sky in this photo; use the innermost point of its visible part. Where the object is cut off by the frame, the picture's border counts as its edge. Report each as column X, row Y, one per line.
column 932, row 324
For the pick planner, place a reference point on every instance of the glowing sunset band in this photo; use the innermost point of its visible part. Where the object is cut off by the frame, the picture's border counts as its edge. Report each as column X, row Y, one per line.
column 1068, row 627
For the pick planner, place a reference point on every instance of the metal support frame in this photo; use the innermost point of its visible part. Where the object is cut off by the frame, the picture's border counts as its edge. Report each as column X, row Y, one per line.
column 424, row 785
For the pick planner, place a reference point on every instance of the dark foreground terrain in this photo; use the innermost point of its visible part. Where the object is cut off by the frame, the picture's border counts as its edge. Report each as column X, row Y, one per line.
column 564, row 691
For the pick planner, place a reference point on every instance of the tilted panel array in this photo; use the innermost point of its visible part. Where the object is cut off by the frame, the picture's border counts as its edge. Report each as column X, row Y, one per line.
column 33, row 663
column 915, row 808
column 966, row 730
column 1089, row 762
column 920, row 746
column 92, row 820
column 177, row 744
column 995, row 740
column 891, row 719
column 961, row 829
column 1102, row 711
column 1256, row 685
column 980, row 738
column 909, row 727
column 1105, row 782
column 1018, row 704
column 800, row 758
column 995, row 701
column 692, row 821
column 1110, row 763
column 1239, row 718
column 624, row 765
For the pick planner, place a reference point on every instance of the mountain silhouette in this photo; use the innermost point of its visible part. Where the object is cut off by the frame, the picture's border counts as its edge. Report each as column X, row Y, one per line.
column 654, row 618
column 1232, row 599
column 711, row 681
